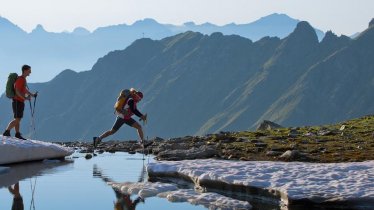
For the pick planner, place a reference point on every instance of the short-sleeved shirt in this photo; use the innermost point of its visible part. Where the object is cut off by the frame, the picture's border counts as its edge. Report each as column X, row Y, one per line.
column 20, row 85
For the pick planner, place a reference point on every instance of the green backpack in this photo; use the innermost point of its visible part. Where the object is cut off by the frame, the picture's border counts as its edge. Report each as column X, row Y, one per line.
column 9, row 90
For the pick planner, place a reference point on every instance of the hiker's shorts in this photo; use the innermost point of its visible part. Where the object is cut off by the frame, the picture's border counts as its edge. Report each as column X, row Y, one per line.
column 18, row 108
column 119, row 122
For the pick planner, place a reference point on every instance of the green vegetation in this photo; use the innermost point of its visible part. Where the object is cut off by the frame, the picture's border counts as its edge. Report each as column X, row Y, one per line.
column 352, row 140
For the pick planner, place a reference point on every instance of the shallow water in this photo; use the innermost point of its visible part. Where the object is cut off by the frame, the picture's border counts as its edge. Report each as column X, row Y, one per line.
column 79, row 183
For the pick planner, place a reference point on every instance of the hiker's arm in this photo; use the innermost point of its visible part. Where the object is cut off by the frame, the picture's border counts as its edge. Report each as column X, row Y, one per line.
column 134, row 110
column 30, row 93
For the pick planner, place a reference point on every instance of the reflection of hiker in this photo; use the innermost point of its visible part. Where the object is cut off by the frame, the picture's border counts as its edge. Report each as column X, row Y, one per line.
column 125, row 108
column 21, row 94
column 17, row 198
column 123, row 201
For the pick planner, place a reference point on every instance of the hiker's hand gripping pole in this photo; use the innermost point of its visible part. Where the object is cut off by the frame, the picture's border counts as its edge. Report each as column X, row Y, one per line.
column 144, row 118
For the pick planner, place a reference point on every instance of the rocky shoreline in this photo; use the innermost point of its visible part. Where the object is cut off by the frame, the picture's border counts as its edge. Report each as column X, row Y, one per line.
column 348, row 141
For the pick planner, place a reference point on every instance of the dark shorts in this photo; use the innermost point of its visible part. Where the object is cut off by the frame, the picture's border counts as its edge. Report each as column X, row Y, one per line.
column 18, row 108
column 17, row 203
column 119, row 122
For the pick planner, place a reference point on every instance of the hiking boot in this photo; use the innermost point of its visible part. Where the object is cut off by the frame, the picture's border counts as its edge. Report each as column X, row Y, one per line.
column 18, row 136
column 96, row 141
column 139, row 199
column 6, row 133
column 142, row 199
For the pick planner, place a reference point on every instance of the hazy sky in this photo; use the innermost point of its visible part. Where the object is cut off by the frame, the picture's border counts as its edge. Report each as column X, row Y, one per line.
column 341, row 16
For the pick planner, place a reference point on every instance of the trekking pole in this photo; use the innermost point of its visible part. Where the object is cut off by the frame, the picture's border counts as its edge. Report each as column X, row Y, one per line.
column 32, row 110
column 32, row 203
column 32, row 127
column 145, row 123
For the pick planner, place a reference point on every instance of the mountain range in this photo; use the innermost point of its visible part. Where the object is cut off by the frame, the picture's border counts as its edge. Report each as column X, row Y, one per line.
column 195, row 84
column 49, row 53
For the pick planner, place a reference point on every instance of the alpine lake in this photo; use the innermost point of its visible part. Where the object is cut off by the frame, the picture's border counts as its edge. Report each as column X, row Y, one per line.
column 80, row 183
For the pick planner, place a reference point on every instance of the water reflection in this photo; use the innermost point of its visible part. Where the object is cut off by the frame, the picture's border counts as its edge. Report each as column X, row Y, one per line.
column 17, row 197
column 22, row 171
column 71, row 185
column 124, row 200
column 17, row 172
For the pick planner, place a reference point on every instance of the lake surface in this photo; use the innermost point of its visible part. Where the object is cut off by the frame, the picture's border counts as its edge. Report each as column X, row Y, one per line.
column 79, row 183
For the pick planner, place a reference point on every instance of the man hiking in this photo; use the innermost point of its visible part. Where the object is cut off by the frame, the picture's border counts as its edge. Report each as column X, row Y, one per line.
column 18, row 104
column 125, row 109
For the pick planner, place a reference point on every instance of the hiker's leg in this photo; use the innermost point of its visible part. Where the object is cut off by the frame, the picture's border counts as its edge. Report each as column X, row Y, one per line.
column 107, row 133
column 17, row 123
column 14, row 124
column 140, row 131
column 116, row 126
column 18, row 108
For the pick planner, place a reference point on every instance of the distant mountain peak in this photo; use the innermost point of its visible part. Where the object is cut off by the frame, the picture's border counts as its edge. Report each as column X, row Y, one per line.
column 145, row 22
column 332, row 39
column 39, row 29
column 303, row 26
column 189, row 24
column 329, row 35
column 305, row 31
column 275, row 18
column 81, row 31
column 371, row 24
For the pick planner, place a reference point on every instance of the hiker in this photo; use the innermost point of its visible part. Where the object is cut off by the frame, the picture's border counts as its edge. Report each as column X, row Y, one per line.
column 17, row 198
column 124, row 111
column 18, row 104
column 124, row 201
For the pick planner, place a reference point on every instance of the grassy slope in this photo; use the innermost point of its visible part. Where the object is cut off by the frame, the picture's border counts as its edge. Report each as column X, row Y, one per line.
column 353, row 143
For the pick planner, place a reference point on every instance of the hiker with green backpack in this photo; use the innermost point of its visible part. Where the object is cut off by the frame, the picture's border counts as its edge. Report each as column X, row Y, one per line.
column 125, row 108
column 17, row 90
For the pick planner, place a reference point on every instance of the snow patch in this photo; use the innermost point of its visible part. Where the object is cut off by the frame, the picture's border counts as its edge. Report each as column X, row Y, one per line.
column 13, row 150
column 315, row 181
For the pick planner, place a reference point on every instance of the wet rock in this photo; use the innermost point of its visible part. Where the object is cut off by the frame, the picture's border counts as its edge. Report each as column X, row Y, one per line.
column 193, row 153
column 88, row 156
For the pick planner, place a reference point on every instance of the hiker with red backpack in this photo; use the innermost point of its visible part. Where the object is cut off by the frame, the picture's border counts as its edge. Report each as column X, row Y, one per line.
column 19, row 93
column 125, row 108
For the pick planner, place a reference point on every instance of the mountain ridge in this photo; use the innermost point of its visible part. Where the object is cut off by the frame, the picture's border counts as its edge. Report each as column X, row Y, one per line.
column 80, row 49
column 196, row 84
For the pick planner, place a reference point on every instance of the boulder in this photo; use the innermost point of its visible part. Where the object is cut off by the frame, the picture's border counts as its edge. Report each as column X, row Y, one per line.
column 193, row 153
column 268, row 125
